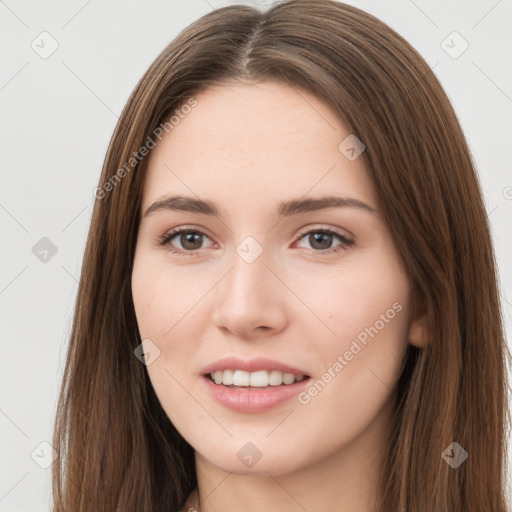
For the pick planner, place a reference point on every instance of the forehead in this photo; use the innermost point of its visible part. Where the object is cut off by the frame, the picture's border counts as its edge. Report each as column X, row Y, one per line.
column 265, row 140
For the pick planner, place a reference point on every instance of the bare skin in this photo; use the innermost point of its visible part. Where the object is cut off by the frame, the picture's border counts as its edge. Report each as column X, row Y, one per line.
column 247, row 148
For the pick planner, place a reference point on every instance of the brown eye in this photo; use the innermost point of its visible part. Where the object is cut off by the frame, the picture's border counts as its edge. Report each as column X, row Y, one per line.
column 190, row 240
column 321, row 240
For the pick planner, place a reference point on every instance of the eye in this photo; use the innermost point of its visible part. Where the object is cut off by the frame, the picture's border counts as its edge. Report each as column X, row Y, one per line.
column 320, row 240
column 189, row 239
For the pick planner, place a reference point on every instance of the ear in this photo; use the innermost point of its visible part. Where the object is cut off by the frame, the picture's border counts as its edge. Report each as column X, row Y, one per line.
column 418, row 332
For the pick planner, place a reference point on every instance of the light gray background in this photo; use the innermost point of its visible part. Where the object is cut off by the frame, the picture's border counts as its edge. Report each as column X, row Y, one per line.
column 57, row 118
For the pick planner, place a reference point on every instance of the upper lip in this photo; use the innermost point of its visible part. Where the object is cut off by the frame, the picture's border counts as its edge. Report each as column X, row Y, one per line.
column 251, row 365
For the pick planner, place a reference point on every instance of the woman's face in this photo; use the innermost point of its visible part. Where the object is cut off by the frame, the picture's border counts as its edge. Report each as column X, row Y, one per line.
column 268, row 280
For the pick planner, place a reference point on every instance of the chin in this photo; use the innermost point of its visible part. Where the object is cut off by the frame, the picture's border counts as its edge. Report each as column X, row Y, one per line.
column 258, row 458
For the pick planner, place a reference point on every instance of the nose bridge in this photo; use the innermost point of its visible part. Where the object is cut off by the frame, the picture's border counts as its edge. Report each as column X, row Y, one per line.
column 249, row 276
column 249, row 296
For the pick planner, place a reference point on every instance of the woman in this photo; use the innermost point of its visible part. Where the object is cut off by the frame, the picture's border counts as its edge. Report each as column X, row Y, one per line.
column 289, row 299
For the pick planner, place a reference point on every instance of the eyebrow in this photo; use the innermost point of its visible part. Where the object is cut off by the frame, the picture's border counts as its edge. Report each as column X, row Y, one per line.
column 285, row 209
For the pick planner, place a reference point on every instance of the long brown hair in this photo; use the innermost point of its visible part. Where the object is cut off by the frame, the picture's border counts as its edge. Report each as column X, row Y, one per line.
column 117, row 448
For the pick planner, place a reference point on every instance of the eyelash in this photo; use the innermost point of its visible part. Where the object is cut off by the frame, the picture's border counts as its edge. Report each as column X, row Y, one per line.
column 165, row 240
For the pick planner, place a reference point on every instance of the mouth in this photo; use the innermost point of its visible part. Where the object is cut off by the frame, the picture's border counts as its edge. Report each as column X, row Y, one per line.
column 253, row 385
column 258, row 380
column 253, row 392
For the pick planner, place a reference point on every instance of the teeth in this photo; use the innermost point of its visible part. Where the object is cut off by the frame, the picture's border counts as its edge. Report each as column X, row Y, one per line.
column 228, row 377
column 259, row 379
column 240, row 378
column 275, row 378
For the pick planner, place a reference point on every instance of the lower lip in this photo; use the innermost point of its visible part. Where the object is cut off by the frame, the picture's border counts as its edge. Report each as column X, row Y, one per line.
column 253, row 400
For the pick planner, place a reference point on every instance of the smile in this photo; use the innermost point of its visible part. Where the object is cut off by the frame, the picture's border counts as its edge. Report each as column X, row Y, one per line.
column 259, row 379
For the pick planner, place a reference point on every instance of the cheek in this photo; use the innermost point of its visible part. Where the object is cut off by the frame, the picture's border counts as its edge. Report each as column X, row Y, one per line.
column 167, row 303
column 365, row 305
column 164, row 297
column 164, row 304
column 369, row 312
column 358, row 367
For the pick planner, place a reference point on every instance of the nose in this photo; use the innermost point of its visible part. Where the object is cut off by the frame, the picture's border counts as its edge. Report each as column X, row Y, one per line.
column 250, row 300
